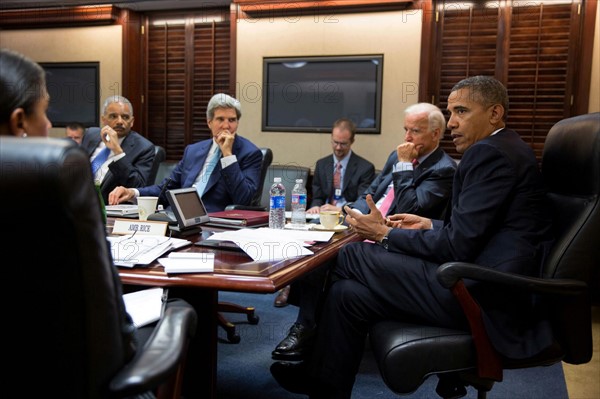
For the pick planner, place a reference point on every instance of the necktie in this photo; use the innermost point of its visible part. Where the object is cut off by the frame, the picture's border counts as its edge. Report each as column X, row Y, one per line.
column 337, row 182
column 415, row 163
column 386, row 205
column 210, row 166
column 100, row 159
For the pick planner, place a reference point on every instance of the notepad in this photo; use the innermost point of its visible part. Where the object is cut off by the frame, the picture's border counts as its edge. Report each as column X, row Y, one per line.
column 144, row 306
column 188, row 262
column 121, row 210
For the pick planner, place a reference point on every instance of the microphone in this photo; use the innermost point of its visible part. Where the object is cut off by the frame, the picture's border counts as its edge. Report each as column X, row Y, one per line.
column 162, row 191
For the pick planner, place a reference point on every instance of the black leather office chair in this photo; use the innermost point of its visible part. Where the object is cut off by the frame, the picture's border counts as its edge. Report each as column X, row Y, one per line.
column 69, row 334
column 229, row 307
column 408, row 353
column 159, row 156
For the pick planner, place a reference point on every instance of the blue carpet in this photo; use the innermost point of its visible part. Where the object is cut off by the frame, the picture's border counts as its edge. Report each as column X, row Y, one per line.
column 243, row 369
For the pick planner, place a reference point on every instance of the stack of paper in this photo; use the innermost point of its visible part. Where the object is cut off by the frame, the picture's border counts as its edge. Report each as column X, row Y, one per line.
column 188, row 262
column 121, row 210
column 128, row 251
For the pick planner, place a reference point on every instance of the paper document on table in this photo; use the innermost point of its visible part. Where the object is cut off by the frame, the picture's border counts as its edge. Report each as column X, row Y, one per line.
column 131, row 250
column 188, row 262
column 144, row 306
column 266, row 244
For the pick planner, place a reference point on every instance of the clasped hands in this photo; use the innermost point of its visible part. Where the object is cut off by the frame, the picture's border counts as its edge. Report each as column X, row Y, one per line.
column 374, row 226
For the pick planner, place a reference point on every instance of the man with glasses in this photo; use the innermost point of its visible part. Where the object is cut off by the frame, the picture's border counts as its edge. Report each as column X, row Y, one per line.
column 338, row 178
column 119, row 156
column 341, row 177
column 417, row 178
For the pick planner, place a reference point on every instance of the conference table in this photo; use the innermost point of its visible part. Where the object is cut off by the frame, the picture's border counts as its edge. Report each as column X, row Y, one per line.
column 233, row 271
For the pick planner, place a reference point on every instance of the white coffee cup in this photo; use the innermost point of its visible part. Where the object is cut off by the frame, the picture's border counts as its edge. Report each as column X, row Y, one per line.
column 330, row 219
column 146, row 206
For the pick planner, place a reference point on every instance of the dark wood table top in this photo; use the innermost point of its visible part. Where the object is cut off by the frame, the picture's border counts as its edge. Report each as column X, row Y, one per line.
column 236, row 271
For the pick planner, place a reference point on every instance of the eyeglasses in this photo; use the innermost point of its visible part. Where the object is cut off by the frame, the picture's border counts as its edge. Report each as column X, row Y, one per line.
column 114, row 117
column 343, row 145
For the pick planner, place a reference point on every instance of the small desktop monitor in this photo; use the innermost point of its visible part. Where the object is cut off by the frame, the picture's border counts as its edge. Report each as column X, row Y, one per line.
column 187, row 207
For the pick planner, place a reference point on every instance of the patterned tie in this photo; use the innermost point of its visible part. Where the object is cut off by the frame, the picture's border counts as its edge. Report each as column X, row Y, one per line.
column 337, row 181
column 386, row 205
column 100, row 159
column 210, row 166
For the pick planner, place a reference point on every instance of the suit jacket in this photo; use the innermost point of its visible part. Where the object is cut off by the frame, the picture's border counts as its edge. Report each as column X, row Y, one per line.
column 236, row 184
column 424, row 191
column 499, row 219
column 130, row 171
column 358, row 175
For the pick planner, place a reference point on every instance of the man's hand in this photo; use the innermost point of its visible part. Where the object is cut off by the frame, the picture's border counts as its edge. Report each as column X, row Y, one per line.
column 407, row 151
column 225, row 141
column 409, row 221
column 372, row 226
column 111, row 139
column 120, row 194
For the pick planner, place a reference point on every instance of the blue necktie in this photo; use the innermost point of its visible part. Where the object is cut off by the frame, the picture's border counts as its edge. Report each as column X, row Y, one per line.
column 100, row 159
column 210, row 166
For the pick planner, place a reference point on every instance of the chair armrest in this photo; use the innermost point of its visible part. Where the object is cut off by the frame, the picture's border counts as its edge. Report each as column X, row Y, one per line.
column 245, row 208
column 450, row 273
column 162, row 354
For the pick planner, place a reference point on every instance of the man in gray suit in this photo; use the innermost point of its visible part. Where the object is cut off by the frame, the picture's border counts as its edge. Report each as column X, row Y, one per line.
column 119, row 156
column 356, row 173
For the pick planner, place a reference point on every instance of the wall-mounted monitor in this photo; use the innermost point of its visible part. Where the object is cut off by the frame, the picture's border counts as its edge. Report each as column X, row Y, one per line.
column 307, row 94
column 74, row 89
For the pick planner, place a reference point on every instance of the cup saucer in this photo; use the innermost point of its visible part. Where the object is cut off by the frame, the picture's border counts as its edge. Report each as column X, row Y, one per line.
column 339, row 227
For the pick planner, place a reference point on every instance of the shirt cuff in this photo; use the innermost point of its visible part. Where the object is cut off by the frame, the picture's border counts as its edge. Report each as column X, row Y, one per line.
column 403, row 166
column 229, row 160
column 117, row 157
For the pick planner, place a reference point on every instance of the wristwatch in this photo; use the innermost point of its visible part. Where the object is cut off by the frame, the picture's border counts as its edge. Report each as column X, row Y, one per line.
column 384, row 240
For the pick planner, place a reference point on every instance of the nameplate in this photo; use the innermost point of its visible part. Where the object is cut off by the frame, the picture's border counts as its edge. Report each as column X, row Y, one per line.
column 128, row 226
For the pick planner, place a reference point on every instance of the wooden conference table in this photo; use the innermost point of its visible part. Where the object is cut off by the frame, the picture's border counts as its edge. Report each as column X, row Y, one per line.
column 234, row 271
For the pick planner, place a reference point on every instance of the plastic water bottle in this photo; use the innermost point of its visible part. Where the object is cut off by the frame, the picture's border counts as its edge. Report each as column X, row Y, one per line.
column 299, row 204
column 277, row 205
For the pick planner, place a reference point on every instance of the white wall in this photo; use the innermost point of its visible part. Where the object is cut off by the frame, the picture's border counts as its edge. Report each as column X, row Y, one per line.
column 340, row 34
column 96, row 44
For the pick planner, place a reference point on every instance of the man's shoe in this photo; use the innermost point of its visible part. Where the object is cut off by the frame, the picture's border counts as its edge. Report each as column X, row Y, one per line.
column 293, row 377
column 282, row 297
column 297, row 343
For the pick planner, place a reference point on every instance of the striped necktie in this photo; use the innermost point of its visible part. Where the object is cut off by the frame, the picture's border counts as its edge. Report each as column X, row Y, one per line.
column 337, row 182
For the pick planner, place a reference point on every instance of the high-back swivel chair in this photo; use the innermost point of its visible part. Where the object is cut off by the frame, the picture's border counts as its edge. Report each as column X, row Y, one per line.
column 65, row 319
column 409, row 353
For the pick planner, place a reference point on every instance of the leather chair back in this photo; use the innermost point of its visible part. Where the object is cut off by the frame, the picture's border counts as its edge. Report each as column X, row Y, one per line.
column 571, row 170
column 74, row 336
column 159, row 156
column 266, row 162
column 288, row 173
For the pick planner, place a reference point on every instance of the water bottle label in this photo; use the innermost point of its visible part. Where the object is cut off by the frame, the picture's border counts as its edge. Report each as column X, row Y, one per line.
column 277, row 201
column 302, row 200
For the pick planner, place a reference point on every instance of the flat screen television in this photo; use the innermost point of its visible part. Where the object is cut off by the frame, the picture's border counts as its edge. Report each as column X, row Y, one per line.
column 307, row 94
column 74, row 89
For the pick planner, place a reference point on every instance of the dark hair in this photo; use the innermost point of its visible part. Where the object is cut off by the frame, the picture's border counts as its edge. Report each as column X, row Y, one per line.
column 75, row 126
column 22, row 83
column 346, row 124
column 485, row 90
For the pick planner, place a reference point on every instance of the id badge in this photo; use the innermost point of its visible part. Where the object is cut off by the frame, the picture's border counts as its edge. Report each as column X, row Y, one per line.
column 337, row 194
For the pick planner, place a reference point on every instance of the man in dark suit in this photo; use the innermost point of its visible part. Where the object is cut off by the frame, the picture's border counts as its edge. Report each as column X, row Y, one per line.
column 330, row 194
column 225, row 169
column 499, row 219
column 402, row 186
column 119, row 156
column 356, row 173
